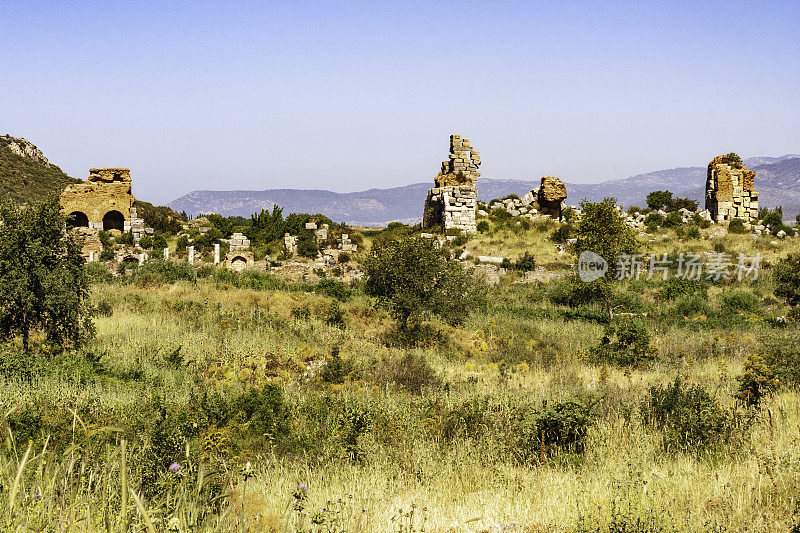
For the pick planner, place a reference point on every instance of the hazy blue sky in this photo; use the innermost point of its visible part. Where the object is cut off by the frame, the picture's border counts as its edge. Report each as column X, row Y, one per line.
column 352, row 95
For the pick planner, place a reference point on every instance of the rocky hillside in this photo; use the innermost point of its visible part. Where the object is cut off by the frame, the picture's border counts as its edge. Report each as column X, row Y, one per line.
column 777, row 179
column 25, row 173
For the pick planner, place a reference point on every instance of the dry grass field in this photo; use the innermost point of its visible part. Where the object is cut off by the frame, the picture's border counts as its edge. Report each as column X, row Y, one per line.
column 286, row 409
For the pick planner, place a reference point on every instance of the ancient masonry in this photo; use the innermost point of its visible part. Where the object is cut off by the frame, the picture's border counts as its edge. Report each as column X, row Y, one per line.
column 551, row 195
column 453, row 202
column 730, row 190
column 104, row 201
column 239, row 255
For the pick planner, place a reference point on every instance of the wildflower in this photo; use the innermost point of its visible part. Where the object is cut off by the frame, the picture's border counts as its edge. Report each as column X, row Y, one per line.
column 174, row 467
column 247, row 471
column 302, row 487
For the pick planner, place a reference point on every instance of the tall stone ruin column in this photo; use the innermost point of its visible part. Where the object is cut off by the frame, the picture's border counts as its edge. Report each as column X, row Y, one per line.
column 190, row 251
column 730, row 189
column 453, row 202
column 216, row 253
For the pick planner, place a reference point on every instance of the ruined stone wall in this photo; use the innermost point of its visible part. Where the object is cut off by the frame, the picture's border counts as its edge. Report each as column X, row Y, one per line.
column 453, row 202
column 106, row 190
column 730, row 190
column 461, row 167
column 452, row 207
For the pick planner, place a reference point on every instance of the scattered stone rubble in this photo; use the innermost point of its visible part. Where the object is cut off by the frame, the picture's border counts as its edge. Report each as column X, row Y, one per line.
column 452, row 203
column 730, row 190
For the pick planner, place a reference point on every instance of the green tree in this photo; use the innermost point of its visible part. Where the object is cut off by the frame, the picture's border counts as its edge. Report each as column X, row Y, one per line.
column 43, row 283
column 602, row 230
column 415, row 279
column 659, row 200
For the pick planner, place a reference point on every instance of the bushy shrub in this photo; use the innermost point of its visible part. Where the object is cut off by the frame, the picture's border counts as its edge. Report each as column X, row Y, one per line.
column 263, row 411
column 625, row 343
column 335, row 369
column 741, row 301
column 301, row 313
column 411, row 372
column 692, row 305
column 689, row 417
column 483, row 226
column 675, row 287
column 758, row 379
column 334, row 289
column 673, row 220
column 562, row 233
column 552, row 429
column 166, row 271
column 524, row 263
column 104, row 308
column 692, row 232
column 98, row 273
column 335, row 316
column 787, row 279
column 654, row 220
column 775, row 366
column 307, row 244
column 736, row 225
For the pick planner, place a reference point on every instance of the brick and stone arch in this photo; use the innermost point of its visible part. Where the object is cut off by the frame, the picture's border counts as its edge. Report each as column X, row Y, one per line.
column 238, row 263
column 106, row 189
column 77, row 219
column 114, row 220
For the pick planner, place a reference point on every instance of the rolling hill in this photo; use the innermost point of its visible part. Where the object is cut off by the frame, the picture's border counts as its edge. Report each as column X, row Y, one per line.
column 25, row 173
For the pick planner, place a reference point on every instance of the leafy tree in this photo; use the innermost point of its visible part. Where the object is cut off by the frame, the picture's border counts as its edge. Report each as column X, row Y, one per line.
column 684, row 203
column 602, row 230
column 659, row 200
column 159, row 241
column 146, row 242
column 307, row 244
column 43, row 283
column 772, row 217
column 222, row 224
column 414, row 279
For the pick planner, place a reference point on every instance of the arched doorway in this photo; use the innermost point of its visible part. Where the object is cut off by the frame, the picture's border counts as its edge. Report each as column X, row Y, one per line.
column 114, row 220
column 77, row 219
column 238, row 263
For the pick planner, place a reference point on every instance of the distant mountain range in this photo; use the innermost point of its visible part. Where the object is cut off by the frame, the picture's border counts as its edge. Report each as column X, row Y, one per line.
column 777, row 180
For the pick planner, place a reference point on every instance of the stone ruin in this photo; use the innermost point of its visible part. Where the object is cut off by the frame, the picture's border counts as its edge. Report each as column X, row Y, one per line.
column 239, row 255
column 550, row 196
column 730, row 190
column 453, row 201
column 103, row 202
